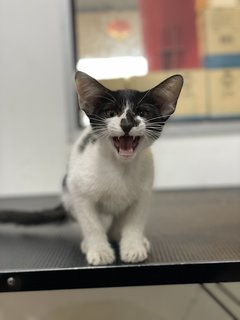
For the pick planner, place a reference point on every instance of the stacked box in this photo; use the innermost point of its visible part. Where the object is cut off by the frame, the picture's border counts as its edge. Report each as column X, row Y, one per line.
column 202, row 5
column 219, row 31
column 224, row 93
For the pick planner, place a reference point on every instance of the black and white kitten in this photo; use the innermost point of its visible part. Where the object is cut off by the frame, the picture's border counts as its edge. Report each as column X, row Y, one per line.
column 110, row 176
column 109, row 180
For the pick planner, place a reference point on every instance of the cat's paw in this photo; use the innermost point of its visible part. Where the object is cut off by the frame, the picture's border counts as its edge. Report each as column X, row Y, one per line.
column 133, row 252
column 102, row 255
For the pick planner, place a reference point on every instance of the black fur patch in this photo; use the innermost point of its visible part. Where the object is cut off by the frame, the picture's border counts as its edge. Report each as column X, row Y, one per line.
column 126, row 125
column 64, row 183
column 89, row 138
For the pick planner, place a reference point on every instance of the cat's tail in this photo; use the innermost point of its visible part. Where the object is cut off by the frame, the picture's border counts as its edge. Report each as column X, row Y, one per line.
column 48, row 216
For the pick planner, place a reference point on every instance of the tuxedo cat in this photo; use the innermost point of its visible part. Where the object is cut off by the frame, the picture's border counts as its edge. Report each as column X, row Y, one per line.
column 108, row 183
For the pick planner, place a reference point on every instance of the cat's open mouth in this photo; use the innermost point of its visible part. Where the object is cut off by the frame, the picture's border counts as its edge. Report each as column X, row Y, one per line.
column 125, row 145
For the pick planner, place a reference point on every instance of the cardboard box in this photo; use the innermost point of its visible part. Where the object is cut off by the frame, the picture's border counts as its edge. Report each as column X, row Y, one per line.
column 222, row 3
column 202, row 5
column 192, row 101
column 218, row 31
column 99, row 34
column 224, row 93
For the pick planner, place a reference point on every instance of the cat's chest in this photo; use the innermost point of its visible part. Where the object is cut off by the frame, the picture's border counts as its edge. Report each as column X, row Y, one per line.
column 116, row 201
column 118, row 190
column 115, row 181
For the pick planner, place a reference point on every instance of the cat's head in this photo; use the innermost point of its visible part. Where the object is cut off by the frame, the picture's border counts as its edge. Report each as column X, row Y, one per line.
column 128, row 120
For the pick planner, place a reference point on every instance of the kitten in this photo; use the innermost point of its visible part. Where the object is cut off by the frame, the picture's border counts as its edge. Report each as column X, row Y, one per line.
column 109, row 180
column 110, row 176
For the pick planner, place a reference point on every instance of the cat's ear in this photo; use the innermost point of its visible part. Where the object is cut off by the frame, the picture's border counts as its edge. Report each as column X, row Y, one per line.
column 165, row 95
column 89, row 91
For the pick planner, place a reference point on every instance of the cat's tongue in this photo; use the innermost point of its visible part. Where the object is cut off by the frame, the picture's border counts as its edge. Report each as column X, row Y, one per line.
column 126, row 146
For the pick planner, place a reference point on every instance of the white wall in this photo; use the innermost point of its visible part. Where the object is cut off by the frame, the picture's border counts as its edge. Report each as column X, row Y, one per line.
column 36, row 90
column 197, row 161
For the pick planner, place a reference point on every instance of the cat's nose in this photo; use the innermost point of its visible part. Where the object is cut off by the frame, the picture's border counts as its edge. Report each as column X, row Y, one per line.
column 126, row 125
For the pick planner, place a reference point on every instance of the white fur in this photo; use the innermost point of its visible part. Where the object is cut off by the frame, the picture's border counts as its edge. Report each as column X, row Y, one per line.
column 109, row 196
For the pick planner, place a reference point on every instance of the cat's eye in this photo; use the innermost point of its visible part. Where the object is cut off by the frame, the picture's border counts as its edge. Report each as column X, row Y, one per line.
column 143, row 113
column 109, row 113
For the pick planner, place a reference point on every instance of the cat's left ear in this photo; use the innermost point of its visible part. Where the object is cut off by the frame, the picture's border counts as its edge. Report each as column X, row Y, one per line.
column 89, row 91
column 166, row 94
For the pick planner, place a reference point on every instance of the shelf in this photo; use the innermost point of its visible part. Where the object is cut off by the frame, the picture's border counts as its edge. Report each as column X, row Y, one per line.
column 195, row 238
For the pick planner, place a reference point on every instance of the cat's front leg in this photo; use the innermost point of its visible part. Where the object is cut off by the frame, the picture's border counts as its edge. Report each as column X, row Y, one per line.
column 134, row 246
column 95, row 243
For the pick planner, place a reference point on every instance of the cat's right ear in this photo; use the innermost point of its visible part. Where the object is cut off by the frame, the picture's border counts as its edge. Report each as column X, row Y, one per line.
column 89, row 91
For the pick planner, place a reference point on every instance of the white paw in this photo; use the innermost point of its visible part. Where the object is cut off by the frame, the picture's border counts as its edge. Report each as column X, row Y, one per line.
column 134, row 252
column 101, row 255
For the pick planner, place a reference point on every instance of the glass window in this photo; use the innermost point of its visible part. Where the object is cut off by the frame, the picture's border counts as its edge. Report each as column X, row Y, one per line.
column 136, row 44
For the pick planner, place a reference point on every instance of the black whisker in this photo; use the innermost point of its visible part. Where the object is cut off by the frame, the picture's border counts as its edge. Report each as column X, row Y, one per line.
column 97, row 116
column 143, row 97
column 159, row 117
column 113, row 100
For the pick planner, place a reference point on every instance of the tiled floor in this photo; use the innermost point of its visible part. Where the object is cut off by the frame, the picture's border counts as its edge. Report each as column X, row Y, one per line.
column 188, row 302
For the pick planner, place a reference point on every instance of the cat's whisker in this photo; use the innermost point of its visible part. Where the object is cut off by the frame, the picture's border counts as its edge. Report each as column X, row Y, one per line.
column 99, row 124
column 95, row 116
column 155, row 124
column 165, row 116
column 149, row 133
column 143, row 97
column 102, row 135
column 158, row 117
column 152, row 134
column 106, row 98
column 114, row 100
column 154, row 127
column 98, row 120
column 100, row 130
column 146, row 137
